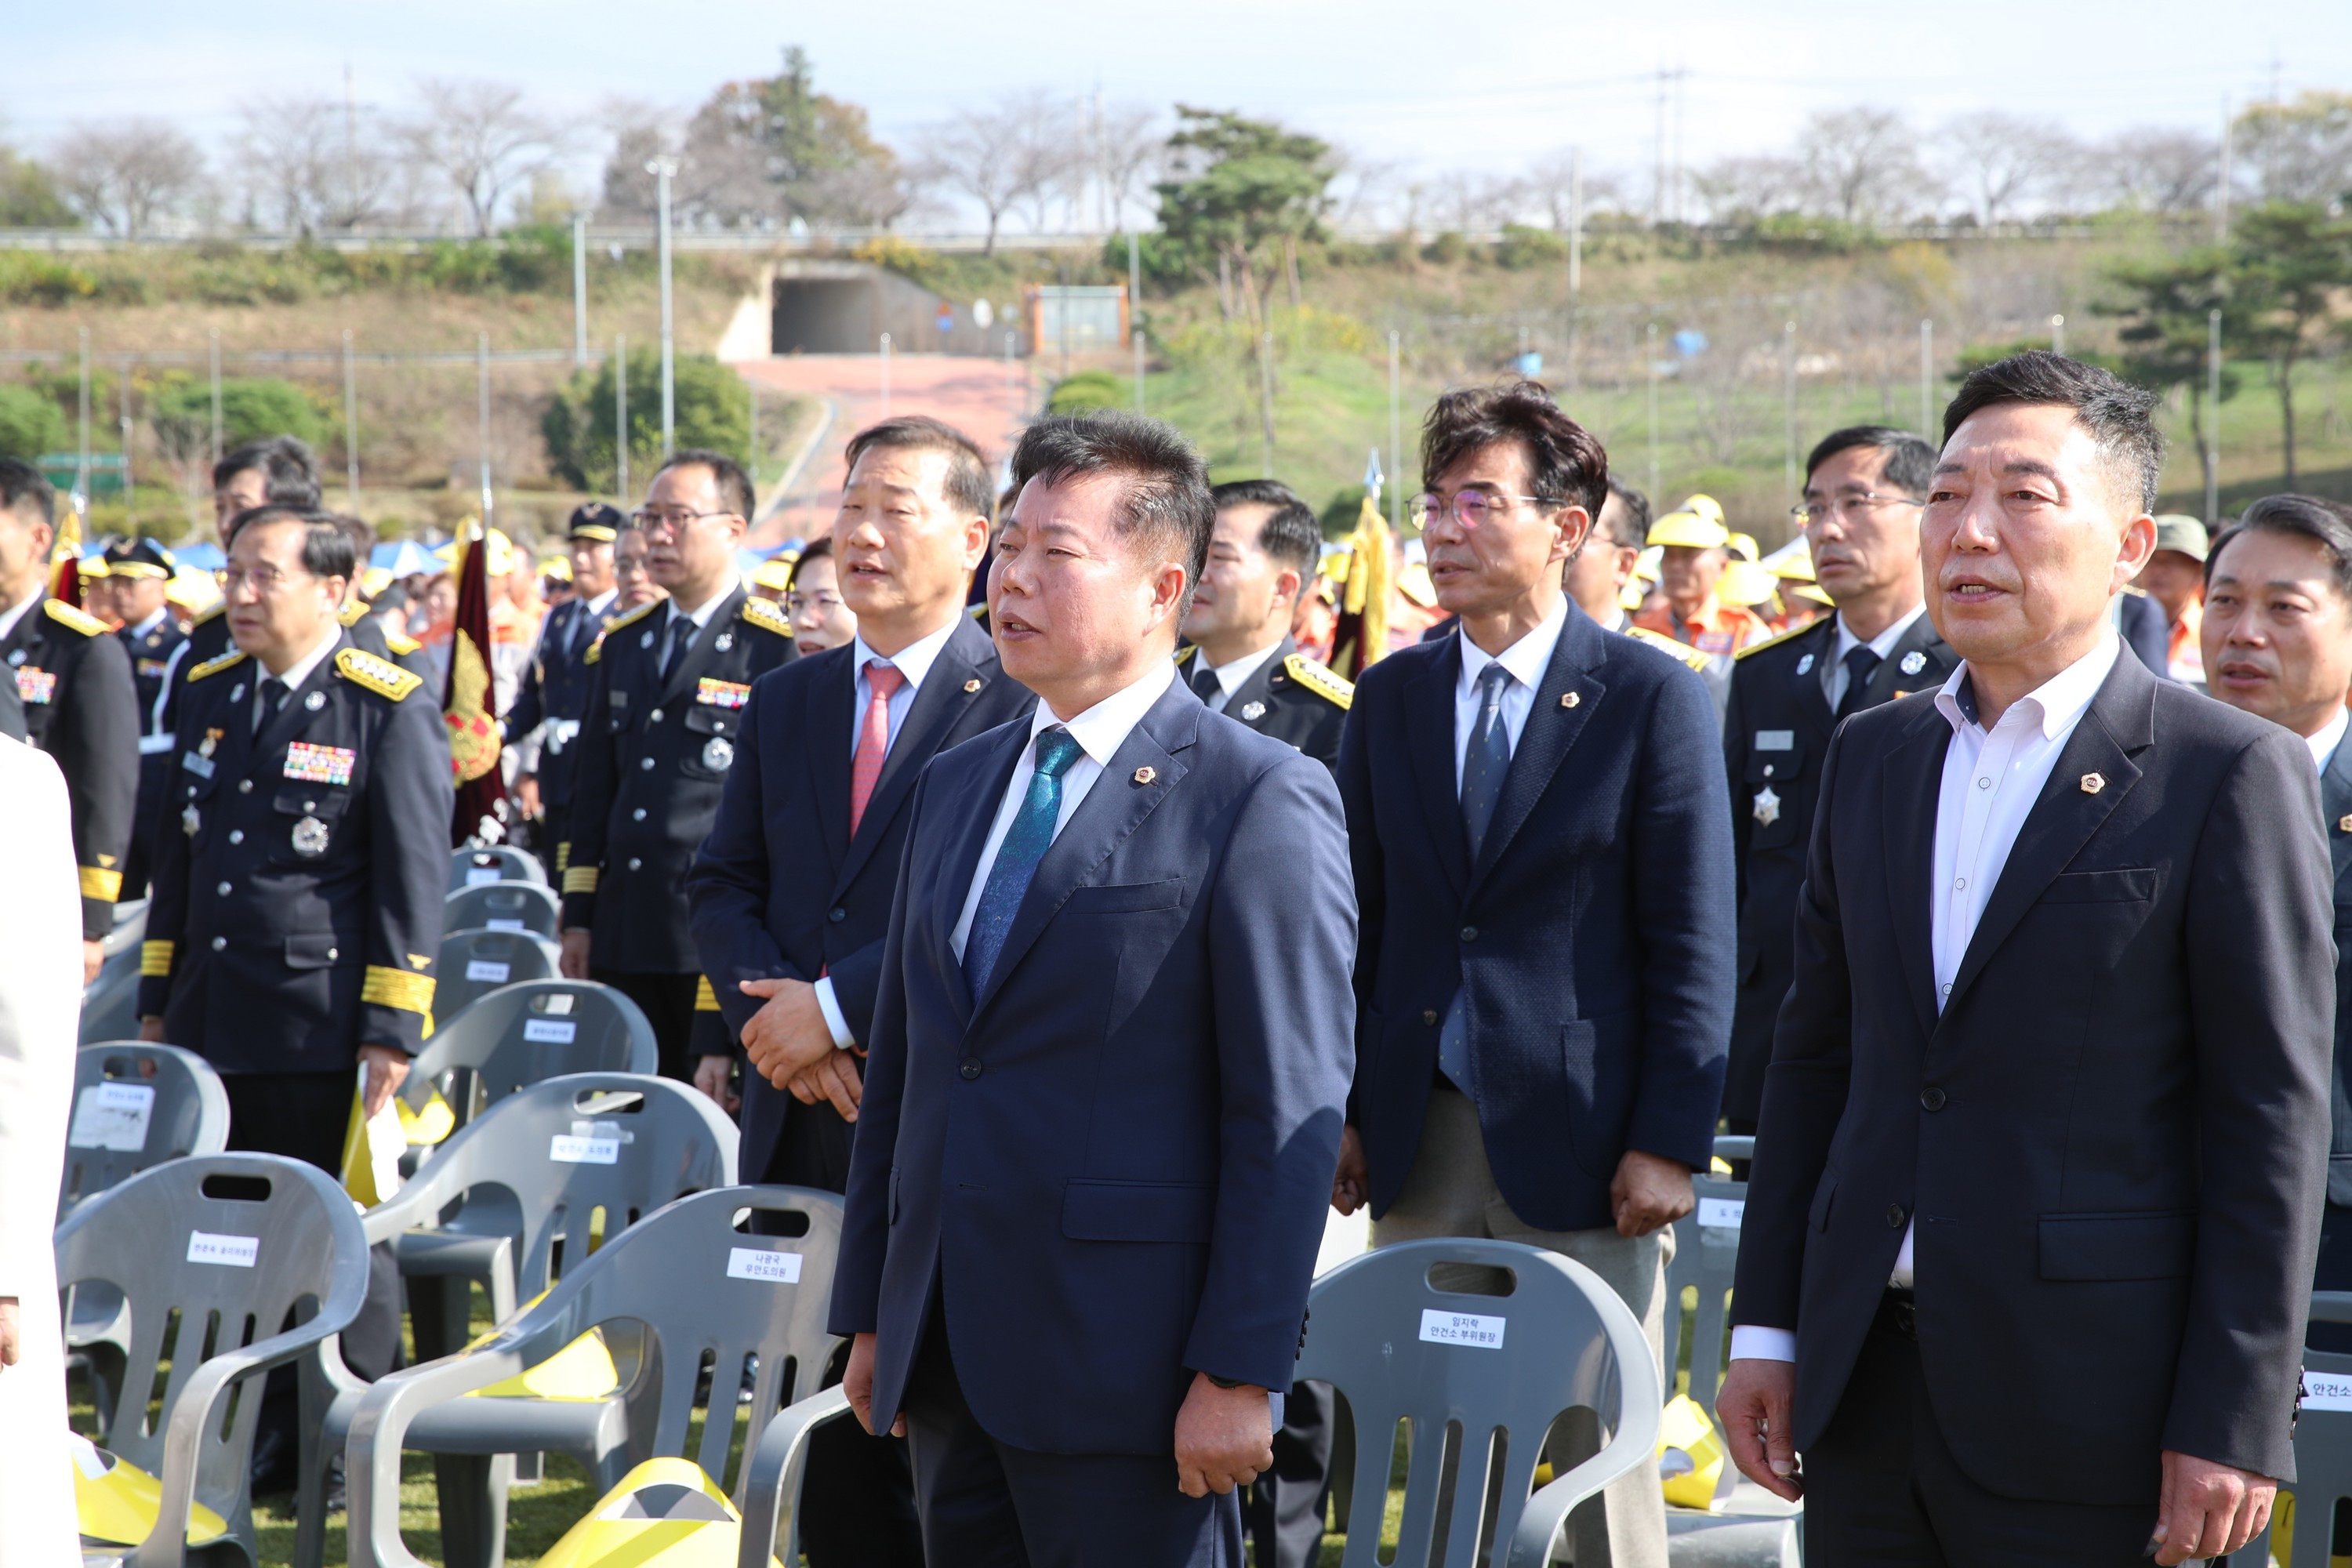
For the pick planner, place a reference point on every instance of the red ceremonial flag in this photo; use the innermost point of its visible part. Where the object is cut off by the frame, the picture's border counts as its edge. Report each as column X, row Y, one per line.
column 469, row 705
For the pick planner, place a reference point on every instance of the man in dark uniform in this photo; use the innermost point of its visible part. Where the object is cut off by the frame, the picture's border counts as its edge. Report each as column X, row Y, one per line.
column 140, row 570
column 555, row 688
column 665, row 694
column 1864, row 490
column 80, row 706
column 1239, row 656
column 298, row 881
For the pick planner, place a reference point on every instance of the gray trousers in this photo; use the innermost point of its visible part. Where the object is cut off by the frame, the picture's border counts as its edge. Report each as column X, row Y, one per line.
column 1450, row 1190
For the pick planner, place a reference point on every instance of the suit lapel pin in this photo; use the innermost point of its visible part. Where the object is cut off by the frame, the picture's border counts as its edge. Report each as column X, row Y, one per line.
column 1145, row 774
column 1805, row 665
column 316, row 700
column 1570, row 699
column 2344, row 825
column 1912, row 662
column 2094, row 783
column 972, row 685
column 1252, row 710
column 726, row 640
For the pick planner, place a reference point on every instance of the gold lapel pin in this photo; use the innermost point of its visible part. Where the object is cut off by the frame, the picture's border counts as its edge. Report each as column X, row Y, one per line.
column 2344, row 825
column 971, row 685
column 1570, row 699
column 2094, row 783
column 1145, row 774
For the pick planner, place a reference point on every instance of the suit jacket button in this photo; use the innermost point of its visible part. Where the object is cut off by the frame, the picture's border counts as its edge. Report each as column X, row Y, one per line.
column 1429, row 1014
column 836, row 914
column 648, row 764
column 635, row 864
column 1895, row 1217
column 245, row 786
column 219, row 943
column 1469, row 933
column 1931, row 1099
column 654, row 717
column 971, row 1069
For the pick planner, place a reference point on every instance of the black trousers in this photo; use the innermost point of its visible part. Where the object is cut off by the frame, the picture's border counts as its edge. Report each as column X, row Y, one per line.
column 668, row 1003
column 1881, row 1489
column 985, row 1504
column 1282, row 1511
column 304, row 1116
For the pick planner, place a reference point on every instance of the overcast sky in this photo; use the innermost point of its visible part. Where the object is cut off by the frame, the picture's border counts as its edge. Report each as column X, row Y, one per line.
column 1479, row 84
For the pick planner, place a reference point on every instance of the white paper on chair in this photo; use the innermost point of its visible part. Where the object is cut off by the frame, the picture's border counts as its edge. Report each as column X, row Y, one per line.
column 2326, row 1391
column 488, row 969
column 235, row 1251
column 112, row 1116
column 1724, row 1213
column 475, row 876
column 1461, row 1329
column 758, row 1263
column 502, row 924
column 551, row 1031
column 572, row 1150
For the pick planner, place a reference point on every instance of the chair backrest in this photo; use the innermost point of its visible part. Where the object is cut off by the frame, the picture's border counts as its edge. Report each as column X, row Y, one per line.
column 527, row 1033
column 211, row 1253
column 2322, row 1450
column 503, row 906
column 1707, row 1255
column 109, row 1004
column 1477, row 1379
column 472, row 868
column 473, row 963
column 137, row 1105
column 555, row 1161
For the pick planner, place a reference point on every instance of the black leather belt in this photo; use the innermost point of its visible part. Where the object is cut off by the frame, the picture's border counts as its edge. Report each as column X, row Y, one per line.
column 1898, row 1314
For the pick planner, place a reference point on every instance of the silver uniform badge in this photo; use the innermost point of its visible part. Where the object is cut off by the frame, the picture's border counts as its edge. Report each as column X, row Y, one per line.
column 718, row 754
column 1805, row 665
column 1912, row 662
column 190, row 822
column 1252, row 710
column 236, row 692
column 1768, row 807
column 315, row 702
column 725, row 641
column 311, row 837
column 646, row 640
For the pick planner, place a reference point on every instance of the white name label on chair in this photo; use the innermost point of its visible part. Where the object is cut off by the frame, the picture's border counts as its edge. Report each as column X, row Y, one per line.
column 2326, row 1391
column 235, row 1251
column 1461, row 1329
column 112, row 1116
column 758, row 1263
column 554, row 1031
column 500, row 924
column 1724, row 1212
column 478, row 875
column 488, row 969
column 566, row 1149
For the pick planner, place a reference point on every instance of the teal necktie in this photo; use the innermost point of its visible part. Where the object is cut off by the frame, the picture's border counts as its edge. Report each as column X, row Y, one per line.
column 1025, row 842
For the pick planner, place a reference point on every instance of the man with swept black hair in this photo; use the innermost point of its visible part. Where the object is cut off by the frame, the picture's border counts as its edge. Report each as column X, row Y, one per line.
column 278, row 470
column 2027, row 1244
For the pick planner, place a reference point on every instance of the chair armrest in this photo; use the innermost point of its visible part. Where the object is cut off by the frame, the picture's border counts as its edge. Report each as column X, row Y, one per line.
column 1635, row 1444
column 772, row 1475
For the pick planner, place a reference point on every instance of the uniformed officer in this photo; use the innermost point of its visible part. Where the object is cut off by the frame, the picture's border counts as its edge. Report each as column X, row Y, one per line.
column 141, row 571
column 74, row 682
column 298, row 889
column 1864, row 490
column 1239, row 655
column 666, row 690
column 555, row 688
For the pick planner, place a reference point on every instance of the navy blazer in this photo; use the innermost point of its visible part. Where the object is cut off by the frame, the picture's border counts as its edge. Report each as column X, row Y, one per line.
column 2112, row 1138
column 780, row 888
column 1593, row 935
column 1113, row 1164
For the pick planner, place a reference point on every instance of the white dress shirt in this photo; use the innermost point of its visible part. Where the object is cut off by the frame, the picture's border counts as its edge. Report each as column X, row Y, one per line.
column 700, row 615
column 295, row 673
column 1834, row 672
column 16, row 612
column 914, row 661
column 1100, row 731
column 1991, row 779
column 1231, row 675
column 1527, row 659
column 2323, row 745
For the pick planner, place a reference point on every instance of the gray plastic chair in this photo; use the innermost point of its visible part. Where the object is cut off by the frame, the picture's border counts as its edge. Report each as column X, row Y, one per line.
column 109, row 1004
column 2323, row 1453
column 475, row 868
column 503, row 906
column 473, row 963
column 527, row 1033
column 526, row 1179
column 211, row 1253
column 711, row 1298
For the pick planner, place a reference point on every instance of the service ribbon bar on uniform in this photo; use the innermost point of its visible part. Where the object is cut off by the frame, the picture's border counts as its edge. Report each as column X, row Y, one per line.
column 722, row 693
column 320, row 764
column 387, row 987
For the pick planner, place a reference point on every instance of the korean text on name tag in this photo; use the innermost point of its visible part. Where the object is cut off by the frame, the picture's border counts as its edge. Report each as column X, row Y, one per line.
column 2326, row 1391
column 1724, row 1212
column 235, row 1251
column 112, row 1116
column 757, row 1263
column 550, row 1031
column 1461, row 1329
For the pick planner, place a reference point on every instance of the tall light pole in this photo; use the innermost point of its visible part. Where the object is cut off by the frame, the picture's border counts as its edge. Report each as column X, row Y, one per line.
column 1265, row 403
column 217, row 395
column 1789, row 409
column 81, row 465
column 886, row 375
column 2057, row 335
column 1134, row 312
column 621, row 420
column 579, row 290
column 2213, row 401
column 1396, row 431
column 351, row 422
column 482, row 401
column 130, row 496
column 1928, row 378
column 1654, row 408
column 661, row 169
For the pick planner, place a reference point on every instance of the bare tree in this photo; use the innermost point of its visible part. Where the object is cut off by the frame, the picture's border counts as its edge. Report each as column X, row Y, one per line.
column 1744, row 189
column 1000, row 157
column 1471, row 203
column 483, row 138
column 2155, row 168
column 1863, row 164
column 2004, row 161
column 127, row 176
column 310, row 165
column 1128, row 148
column 2300, row 152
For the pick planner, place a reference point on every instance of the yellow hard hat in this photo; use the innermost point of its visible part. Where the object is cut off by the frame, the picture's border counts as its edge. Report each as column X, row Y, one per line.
column 1744, row 582
column 1704, row 505
column 1814, row 596
column 1743, row 545
column 774, row 573
column 1645, row 564
column 1793, row 560
column 1689, row 530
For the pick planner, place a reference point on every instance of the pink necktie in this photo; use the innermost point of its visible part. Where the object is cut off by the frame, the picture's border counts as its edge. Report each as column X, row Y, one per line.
column 883, row 680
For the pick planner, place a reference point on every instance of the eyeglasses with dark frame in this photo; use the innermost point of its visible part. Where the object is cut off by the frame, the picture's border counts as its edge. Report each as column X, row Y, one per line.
column 1846, row 506
column 1471, row 509
column 671, row 519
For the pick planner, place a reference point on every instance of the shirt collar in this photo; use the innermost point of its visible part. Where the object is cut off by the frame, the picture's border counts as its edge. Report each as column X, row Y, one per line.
column 9, row 617
column 1102, row 728
column 914, row 661
column 150, row 623
column 2057, row 702
column 2323, row 745
column 299, row 670
column 1526, row 659
column 603, row 603
column 700, row 617
column 1884, row 643
column 1231, row 675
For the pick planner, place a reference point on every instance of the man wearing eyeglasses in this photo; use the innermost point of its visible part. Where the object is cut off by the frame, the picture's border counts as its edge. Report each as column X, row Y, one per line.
column 1543, row 961
column 665, row 693
column 1864, row 490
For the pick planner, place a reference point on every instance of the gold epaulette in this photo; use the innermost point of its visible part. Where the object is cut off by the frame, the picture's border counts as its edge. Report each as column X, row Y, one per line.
column 1322, row 682
column 978, row 612
column 81, row 621
column 1773, row 641
column 379, row 676
column 596, row 650
column 219, row 607
column 640, row 613
column 765, row 614
column 215, row 664
column 351, row 614
column 1184, row 654
column 1670, row 648
column 400, row 644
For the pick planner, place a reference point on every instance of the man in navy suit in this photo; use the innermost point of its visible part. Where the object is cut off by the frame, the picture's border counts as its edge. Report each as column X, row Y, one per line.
column 1108, row 1058
column 791, row 891
column 1544, row 970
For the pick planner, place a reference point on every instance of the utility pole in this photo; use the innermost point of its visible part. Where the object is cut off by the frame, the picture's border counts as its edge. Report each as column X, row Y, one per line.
column 351, row 422
column 621, row 420
column 1789, row 409
column 1134, row 303
column 2213, row 401
column 482, row 402
column 1575, row 225
column 130, row 495
column 1396, row 432
column 752, row 436
column 82, row 467
column 1658, row 173
column 661, row 169
column 1928, row 378
column 2221, row 181
column 886, row 375
column 579, row 290
column 1654, row 409
column 217, row 395
column 350, row 148
column 1265, row 403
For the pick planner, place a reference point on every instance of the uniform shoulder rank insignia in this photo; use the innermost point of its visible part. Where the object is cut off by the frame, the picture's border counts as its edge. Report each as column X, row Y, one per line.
column 402, row 646
column 1184, row 655
column 211, row 613
column 767, row 616
column 350, row 613
column 1770, row 641
column 1319, row 680
column 215, row 665
column 640, row 613
column 379, row 676
column 82, row 621
column 1671, row 648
